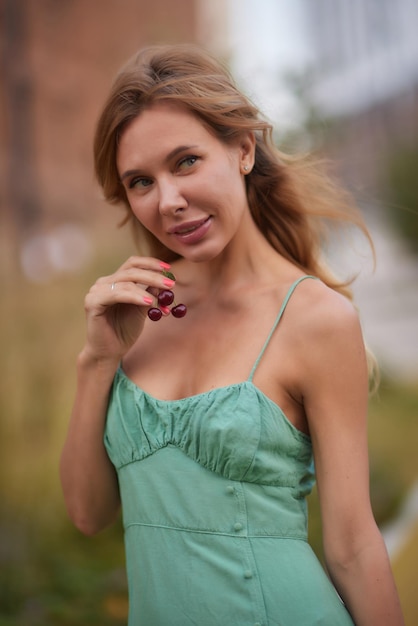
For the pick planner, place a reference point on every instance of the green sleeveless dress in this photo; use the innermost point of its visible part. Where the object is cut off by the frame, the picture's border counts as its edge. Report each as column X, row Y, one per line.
column 213, row 490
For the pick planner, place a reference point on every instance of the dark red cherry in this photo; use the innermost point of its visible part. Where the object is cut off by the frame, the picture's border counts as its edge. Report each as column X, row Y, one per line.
column 179, row 310
column 154, row 314
column 165, row 297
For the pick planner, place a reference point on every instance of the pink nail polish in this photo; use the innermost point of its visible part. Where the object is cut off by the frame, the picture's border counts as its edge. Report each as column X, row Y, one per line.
column 165, row 310
column 164, row 265
column 168, row 282
column 148, row 300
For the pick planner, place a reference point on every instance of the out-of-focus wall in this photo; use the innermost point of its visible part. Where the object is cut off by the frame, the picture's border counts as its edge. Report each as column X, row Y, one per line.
column 57, row 61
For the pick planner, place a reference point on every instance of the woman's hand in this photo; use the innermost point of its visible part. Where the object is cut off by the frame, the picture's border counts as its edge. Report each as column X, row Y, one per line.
column 116, row 306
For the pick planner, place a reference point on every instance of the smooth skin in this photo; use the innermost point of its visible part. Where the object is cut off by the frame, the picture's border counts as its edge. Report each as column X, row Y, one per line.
column 188, row 189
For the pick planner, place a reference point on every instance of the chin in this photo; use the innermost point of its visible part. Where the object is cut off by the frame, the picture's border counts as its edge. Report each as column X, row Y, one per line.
column 202, row 254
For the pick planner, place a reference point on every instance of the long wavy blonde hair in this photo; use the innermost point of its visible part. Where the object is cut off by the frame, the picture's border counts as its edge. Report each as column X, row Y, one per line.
column 292, row 199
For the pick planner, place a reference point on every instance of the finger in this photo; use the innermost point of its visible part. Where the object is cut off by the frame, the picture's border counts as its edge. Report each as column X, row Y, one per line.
column 132, row 293
column 142, row 277
column 149, row 263
column 102, row 296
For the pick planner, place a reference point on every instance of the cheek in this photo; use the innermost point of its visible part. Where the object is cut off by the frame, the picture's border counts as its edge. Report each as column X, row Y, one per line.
column 143, row 211
column 227, row 185
column 233, row 193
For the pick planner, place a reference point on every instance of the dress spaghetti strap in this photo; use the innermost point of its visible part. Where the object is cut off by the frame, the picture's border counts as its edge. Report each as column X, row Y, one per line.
column 278, row 318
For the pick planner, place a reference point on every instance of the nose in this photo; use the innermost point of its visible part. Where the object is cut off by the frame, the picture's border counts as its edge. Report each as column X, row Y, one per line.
column 171, row 199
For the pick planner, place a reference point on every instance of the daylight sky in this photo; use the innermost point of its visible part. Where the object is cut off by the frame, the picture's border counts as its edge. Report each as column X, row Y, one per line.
column 268, row 39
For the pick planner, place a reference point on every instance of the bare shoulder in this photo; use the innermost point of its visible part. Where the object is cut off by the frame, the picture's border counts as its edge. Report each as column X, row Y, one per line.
column 327, row 339
column 321, row 311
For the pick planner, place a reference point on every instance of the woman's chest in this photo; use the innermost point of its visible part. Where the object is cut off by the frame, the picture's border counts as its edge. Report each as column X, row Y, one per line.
column 180, row 358
column 177, row 360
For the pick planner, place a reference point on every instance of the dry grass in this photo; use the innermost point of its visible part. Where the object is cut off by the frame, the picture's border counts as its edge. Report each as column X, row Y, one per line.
column 405, row 569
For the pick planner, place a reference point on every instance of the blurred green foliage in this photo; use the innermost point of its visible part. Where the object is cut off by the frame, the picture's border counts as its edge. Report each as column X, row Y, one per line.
column 51, row 575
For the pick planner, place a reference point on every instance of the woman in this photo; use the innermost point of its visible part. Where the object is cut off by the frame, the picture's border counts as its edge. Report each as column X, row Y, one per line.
column 205, row 427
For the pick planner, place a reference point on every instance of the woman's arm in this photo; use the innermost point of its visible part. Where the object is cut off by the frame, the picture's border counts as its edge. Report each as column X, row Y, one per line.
column 88, row 478
column 336, row 401
column 116, row 308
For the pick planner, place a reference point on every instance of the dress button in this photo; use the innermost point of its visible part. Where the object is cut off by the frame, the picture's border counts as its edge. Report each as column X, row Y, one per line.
column 238, row 526
column 248, row 574
column 230, row 489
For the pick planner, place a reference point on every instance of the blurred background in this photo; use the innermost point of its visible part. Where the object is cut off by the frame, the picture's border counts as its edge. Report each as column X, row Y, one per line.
column 337, row 78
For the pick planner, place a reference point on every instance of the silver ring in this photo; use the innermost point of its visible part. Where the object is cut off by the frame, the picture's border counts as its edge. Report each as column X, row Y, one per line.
column 112, row 286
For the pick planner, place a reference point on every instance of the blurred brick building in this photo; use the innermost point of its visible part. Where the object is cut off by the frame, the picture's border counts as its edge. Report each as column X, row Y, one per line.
column 57, row 60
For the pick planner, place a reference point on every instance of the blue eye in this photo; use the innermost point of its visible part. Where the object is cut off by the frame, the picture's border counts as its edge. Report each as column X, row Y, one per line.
column 187, row 162
column 139, row 182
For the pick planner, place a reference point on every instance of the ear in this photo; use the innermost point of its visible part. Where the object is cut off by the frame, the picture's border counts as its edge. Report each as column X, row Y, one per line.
column 247, row 152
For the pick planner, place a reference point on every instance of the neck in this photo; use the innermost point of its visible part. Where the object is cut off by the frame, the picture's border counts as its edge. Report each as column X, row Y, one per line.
column 247, row 261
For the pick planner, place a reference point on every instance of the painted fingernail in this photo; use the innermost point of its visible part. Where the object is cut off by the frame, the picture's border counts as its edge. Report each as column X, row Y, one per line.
column 165, row 310
column 164, row 265
column 148, row 300
column 168, row 282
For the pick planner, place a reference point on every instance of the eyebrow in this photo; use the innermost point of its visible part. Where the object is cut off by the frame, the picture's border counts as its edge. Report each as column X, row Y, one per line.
column 170, row 155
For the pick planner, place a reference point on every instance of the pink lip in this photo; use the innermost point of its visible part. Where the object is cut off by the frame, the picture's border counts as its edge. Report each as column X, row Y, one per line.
column 191, row 232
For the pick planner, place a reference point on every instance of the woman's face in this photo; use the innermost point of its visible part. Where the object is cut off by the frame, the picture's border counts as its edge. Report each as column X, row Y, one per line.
column 184, row 185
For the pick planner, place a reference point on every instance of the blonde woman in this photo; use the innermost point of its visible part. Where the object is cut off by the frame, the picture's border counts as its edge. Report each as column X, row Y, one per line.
column 204, row 424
